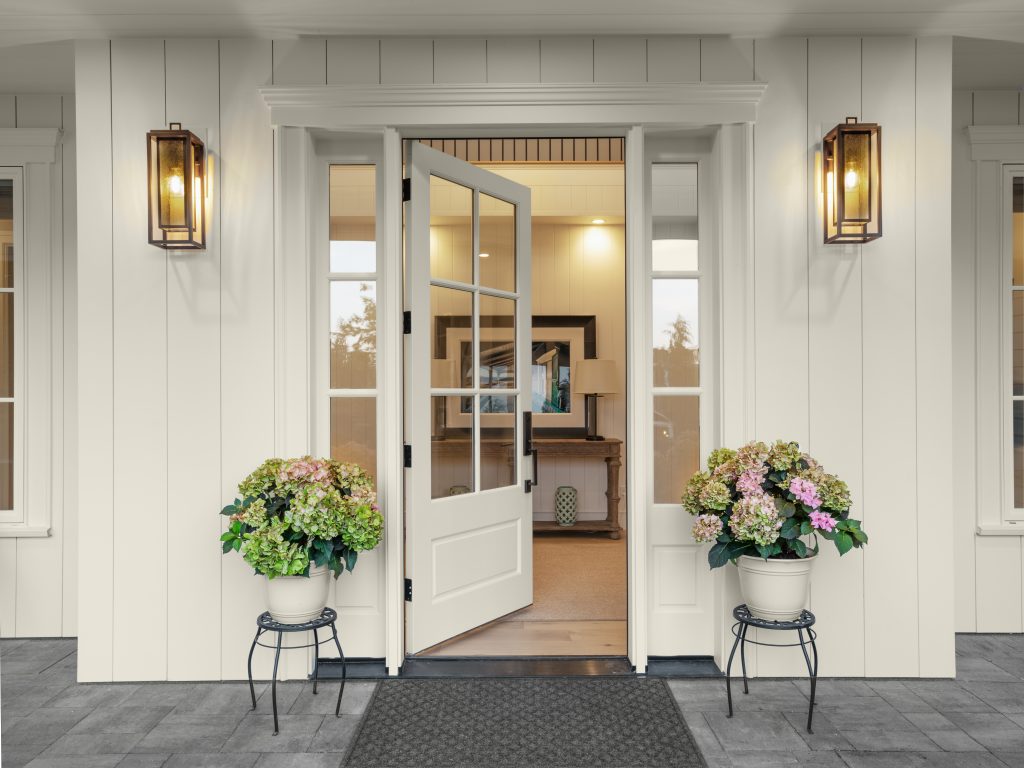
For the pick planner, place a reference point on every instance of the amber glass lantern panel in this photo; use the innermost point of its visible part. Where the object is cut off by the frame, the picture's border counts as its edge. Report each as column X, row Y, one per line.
column 852, row 182
column 177, row 189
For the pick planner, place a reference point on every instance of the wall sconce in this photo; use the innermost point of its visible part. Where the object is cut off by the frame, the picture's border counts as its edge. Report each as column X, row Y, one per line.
column 594, row 378
column 177, row 189
column 851, row 162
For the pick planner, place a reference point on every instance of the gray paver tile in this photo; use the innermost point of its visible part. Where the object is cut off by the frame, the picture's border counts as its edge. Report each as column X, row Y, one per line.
column 256, row 733
column 880, row 740
column 93, row 744
column 357, row 697
column 700, row 695
column 309, row 760
column 93, row 695
column 220, row 699
column 19, row 756
column 883, row 759
column 973, row 669
column 767, row 731
column 943, row 732
column 237, row 760
column 825, row 737
column 121, row 720
column 1004, row 697
column 1011, row 759
column 25, row 696
column 705, row 738
column 76, row 761
column 899, row 696
column 189, row 733
column 159, row 695
column 143, row 761
column 990, row 729
column 336, row 734
column 44, row 727
column 947, row 696
column 863, row 713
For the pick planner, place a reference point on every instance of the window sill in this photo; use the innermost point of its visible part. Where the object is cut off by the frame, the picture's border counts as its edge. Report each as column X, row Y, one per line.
column 22, row 531
column 1007, row 528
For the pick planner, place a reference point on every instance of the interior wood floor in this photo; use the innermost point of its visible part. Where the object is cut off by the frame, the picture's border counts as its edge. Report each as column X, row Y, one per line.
column 579, row 606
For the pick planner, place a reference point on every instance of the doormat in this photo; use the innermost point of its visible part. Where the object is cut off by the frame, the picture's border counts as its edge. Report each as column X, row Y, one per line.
column 526, row 723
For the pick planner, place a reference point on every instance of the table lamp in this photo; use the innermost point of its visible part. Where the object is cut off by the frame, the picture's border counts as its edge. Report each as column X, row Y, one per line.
column 595, row 378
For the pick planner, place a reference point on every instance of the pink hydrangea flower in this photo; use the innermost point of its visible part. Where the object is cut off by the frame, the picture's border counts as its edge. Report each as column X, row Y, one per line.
column 707, row 528
column 749, row 483
column 822, row 521
column 805, row 491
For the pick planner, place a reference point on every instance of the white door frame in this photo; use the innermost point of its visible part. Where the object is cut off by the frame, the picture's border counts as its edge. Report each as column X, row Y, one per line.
column 536, row 109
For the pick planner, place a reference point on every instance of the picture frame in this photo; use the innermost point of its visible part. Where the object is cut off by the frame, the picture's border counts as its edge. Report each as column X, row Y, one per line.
column 558, row 343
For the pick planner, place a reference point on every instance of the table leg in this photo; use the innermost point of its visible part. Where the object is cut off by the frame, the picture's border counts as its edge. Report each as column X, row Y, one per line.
column 252, row 689
column 612, row 465
column 743, row 656
column 316, row 660
column 341, row 654
column 273, row 684
column 738, row 631
column 812, row 672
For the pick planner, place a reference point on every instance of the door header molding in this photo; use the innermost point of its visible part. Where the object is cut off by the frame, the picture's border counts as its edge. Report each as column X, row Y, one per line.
column 358, row 107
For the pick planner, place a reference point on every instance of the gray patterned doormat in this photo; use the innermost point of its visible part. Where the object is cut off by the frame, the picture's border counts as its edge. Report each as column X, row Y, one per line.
column 524, row 723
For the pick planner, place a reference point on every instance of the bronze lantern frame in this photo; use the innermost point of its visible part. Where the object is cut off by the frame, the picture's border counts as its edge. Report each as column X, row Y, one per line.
column 845, row 149
column 176, row 176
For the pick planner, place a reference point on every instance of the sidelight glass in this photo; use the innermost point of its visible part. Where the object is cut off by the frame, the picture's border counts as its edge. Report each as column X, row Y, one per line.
column 451, row 231
column 353, row 218
column 676, row 430
column 354, row 431
column 676, row 332
column 674, row 217
column 7, row 299
column 353, row 312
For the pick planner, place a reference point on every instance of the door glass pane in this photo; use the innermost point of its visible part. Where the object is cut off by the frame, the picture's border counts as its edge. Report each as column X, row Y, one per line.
column 676, row 445
column 451, row 456
column 497, row 345
column 353, row 200
column 1018, row 454
column 6, row 233
column 451, row 231
column 6, row 456
column 676, row 333
column 498, row 443
column 497, row 243
column 354, row 431
column 674, row 217
column 451, row 338
column 353, row 334
column 1018, row 342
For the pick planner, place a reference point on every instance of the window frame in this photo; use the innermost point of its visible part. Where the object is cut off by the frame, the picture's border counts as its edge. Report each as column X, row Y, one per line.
column 16, row 516
column 1011, row 513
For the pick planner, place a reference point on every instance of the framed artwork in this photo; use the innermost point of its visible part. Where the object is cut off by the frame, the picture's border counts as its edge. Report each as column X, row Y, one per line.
column 558, row 343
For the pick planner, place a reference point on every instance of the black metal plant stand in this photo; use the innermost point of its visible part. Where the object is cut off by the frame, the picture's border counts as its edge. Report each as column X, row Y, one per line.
column 265, row 623
column 802, row 625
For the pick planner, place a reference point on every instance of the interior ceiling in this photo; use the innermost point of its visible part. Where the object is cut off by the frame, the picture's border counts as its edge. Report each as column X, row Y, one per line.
column 28, row 21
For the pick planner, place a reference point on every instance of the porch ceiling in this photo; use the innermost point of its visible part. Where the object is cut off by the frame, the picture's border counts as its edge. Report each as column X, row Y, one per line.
column 28, row 21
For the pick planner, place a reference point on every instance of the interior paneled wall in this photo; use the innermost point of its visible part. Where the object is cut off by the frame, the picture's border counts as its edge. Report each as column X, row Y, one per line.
column 38, row 585
column 167, row 334
column 989, row 577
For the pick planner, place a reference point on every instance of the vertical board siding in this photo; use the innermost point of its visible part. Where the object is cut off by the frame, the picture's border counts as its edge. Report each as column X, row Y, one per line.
column 8, row 111
column 513, row 60
column 888, row 332
column 300, row 62
column 406, row 61
column 620, row 60
column 996, row 107
column 245, row 196
column 353, row 61
column 726, row 60
column 835, row 395
column 69, row 159
column 193, row 391
column 964, row 392
column 566, row 60
column 673, row 60
column 460, row 60
column 934, row 356
column 140, row 373
column 95, row 363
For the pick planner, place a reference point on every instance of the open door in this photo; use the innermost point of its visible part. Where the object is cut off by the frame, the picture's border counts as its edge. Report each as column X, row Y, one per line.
column 469, row 511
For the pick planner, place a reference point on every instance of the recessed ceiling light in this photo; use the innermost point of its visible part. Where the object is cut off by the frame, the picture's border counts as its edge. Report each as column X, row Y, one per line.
column 597, row 221
column 485, row 255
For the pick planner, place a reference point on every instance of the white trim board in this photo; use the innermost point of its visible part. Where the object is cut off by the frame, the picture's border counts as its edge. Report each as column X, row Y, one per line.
column 996, row 142
column 490, row 104
column 19, row 146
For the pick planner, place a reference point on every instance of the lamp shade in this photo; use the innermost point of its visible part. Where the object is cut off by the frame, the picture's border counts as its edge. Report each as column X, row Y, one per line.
column 596, row 377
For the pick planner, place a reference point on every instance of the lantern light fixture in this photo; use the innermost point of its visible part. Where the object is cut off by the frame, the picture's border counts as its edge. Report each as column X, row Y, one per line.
column 851, row 163
column 177, row 178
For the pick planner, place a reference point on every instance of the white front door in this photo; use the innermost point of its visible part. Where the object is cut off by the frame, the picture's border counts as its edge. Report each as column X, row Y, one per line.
column 469, row 511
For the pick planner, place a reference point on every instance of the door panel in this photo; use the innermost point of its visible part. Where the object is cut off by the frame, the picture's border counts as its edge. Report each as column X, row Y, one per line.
column 469, row 516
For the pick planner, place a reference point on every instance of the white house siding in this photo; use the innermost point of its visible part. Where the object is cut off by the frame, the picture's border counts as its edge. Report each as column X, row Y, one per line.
column 852, row 355
column 38, row 584
column 989, row 588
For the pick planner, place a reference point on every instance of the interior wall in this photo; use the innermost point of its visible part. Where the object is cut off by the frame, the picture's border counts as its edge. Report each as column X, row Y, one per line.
column 184, row 342
column 989, row 569
column 38, row 576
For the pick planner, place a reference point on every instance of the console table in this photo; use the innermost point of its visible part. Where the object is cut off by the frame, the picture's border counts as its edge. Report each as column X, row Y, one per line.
column 609, row 449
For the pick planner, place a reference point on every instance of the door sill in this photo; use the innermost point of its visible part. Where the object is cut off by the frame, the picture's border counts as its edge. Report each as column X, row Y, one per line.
column 517, row 666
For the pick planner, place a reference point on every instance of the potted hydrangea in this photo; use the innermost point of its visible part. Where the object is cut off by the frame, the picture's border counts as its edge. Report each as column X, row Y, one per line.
column 296, row 520
column 764, row 508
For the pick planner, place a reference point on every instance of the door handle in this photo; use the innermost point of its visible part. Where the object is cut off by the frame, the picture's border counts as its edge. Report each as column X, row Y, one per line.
column 529, row 450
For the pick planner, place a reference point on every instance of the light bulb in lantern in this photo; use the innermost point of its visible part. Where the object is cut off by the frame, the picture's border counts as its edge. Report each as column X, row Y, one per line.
column 851, row 179
column 176, row 185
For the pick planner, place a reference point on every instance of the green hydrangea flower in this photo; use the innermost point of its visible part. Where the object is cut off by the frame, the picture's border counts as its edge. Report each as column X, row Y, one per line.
column 783, row 456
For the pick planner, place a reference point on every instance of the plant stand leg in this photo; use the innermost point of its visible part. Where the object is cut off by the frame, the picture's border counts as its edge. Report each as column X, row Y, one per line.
column 316, row 660
column 341, row 654
column 273, row 684
column 743, row 656
column 252, row 689
column 738, row 631
column 812, row 672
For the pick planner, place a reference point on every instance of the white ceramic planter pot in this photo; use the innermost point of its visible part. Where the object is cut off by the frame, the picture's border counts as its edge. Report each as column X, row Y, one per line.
column 298, row 599
column 775, row 589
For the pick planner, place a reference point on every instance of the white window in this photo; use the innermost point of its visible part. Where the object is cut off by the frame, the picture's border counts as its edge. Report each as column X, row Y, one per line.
column 11, row 346
column 1013, row 347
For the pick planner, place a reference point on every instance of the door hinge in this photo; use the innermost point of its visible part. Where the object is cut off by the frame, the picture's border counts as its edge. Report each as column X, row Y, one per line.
column 407, row 456
column 407, row 322
column 408, row 590
column 406, row 190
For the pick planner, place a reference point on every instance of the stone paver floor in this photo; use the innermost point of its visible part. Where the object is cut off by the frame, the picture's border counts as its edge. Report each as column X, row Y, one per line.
column 50, row 721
